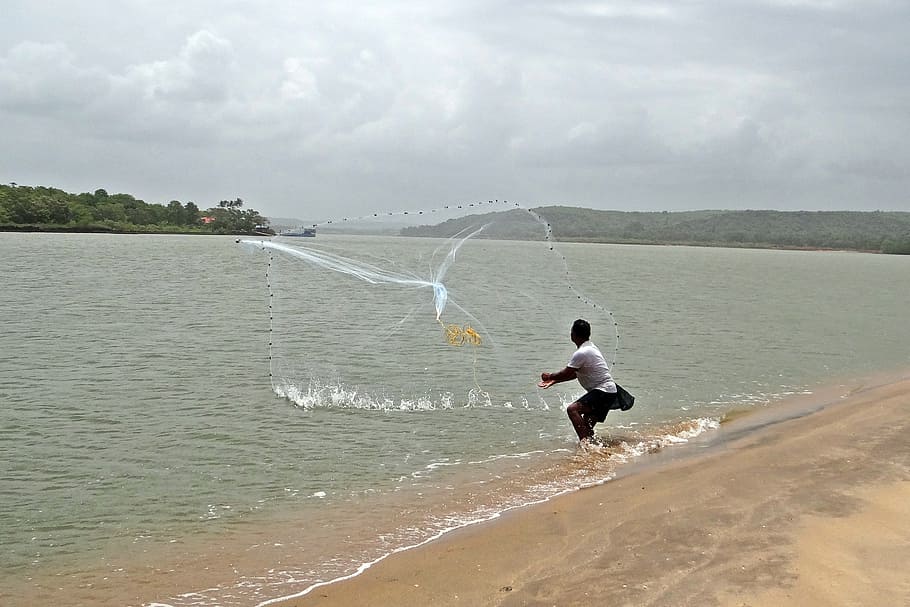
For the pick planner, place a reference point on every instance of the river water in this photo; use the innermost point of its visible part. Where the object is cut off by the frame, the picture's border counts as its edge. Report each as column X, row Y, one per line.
column 167, row 437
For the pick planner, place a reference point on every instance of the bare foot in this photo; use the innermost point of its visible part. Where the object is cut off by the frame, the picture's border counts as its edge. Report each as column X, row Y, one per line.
column 593, row 442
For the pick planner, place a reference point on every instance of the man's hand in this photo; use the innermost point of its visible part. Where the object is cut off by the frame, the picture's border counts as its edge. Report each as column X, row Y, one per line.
column 548, row 379
column 545, row 381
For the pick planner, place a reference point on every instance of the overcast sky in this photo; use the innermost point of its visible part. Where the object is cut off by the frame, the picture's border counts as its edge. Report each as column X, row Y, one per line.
column 322, row 109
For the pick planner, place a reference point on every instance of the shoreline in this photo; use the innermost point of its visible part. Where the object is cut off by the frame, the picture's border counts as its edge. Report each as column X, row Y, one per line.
column 40, row 229
column 720, row 521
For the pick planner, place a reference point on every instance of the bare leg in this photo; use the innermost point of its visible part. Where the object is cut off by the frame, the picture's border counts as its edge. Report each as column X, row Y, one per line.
column 579, row 414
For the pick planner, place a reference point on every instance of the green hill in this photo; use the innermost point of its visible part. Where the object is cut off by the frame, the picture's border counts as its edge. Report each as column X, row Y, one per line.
column 887, row 232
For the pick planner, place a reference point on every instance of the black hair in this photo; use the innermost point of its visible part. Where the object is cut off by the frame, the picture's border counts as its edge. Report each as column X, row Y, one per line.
column 582, row 329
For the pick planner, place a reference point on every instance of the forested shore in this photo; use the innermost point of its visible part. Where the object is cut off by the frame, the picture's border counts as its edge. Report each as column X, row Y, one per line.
column 47, row 209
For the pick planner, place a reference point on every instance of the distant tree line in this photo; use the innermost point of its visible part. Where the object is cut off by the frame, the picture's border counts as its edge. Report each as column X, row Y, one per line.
column 42, row 208
column 880, row 231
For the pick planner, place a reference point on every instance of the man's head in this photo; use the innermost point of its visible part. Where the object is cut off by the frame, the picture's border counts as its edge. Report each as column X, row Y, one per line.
column 581, row 331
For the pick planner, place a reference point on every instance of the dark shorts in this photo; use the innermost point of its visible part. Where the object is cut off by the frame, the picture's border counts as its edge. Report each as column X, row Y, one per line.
column 599, row 402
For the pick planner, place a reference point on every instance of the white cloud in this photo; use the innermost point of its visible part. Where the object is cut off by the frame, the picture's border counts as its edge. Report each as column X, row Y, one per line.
column 616, row 9
column 577, row 102
column 200, row 73
column 299, row 82
column 43, row 77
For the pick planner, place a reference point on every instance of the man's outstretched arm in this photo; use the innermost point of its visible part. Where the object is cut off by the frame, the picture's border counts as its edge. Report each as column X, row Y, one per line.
column 548, row 379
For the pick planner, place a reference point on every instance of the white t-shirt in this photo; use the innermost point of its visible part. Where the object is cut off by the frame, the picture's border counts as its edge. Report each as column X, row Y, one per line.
column 591, row 368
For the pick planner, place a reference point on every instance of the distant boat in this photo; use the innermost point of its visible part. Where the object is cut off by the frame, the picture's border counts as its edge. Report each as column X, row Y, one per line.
column 305, row 232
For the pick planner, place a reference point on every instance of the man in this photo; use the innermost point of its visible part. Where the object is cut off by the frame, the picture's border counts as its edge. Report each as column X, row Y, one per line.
column 590, row 368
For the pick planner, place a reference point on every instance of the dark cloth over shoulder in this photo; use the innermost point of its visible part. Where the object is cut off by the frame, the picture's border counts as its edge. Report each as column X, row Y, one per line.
column 624, row 399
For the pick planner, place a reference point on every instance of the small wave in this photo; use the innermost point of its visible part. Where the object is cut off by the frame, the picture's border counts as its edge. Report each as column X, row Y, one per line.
column 624, row 449
column 315, row 395
column 214, row 512
column 759, row 397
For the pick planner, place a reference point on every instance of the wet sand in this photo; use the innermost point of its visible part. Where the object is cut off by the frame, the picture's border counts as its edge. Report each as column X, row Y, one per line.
column 795, row 506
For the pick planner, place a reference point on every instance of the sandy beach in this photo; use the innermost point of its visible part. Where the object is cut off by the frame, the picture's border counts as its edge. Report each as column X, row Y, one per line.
column 805, row 503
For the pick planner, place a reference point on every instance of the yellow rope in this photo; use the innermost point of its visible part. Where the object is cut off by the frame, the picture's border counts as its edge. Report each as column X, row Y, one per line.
column 459, row 336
